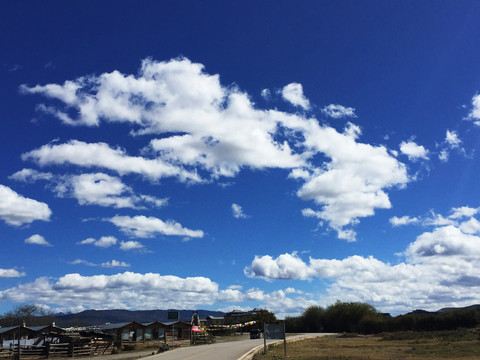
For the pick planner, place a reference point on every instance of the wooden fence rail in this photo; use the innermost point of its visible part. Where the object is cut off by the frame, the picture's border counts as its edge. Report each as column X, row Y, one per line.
column 94, row 348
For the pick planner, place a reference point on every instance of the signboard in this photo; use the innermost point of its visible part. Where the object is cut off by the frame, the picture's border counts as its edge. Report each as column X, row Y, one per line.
column 274, row 332
column 173, row 315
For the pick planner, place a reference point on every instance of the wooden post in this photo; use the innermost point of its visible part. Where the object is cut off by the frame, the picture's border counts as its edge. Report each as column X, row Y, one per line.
column 264, row 340
column 284, row 340
column 18, row 341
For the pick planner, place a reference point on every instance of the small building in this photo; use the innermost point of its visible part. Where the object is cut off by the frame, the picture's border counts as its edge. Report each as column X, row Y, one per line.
column 154, row 331
column 178, row 329
column 133, row 332
column 28, row 335
column 215, row 320
column 122, row 333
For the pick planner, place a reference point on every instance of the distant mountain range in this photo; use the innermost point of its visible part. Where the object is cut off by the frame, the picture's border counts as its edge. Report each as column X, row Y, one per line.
column 98, row 317
column 445, row 310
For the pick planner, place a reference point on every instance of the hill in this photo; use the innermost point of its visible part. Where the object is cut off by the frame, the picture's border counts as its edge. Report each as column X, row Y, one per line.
column 97, row 317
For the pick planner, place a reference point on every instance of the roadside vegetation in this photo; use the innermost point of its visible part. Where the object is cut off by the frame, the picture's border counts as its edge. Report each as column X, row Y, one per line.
column 365, row 319
column 452, row 344
column 365, row 333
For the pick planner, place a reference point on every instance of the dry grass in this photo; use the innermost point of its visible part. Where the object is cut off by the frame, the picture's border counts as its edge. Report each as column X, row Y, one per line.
column 398, row 346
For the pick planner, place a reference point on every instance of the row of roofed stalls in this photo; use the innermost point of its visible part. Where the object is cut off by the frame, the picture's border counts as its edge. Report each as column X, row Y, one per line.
column 23, row 341
column 52, row 341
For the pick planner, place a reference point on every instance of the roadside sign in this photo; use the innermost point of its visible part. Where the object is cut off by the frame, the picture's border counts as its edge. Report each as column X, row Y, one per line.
column 274, row 332
column 173, row 315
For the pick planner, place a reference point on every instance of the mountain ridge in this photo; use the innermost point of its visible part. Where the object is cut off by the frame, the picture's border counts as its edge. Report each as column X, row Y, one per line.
column 98, row 317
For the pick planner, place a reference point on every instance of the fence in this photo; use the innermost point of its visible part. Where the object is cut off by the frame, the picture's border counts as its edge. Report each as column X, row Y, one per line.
column 94, row 348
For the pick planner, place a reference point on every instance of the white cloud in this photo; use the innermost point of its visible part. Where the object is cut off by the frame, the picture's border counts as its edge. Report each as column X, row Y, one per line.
column 452, row 139
column 92, row 189
column 103, row 242
column 126, row 290
column 31, row 175
column 444, row 243
column 337, row 111
column 37, row 240
column 463, row 211
column 475, row 111
column 286, row 266
column 266, row 93
column 352, row 185
column 352, row 130
column 238, row 213
column 208, row 131
column 17, row 210
column 471, row 226
column 440, row 270
column 413, row 151
column 104, row 190
column 147, row 227
column 451, row 142
column 293, row 93
column 130, row 245
column 11, row 273
column 404, row 220
column 82, row 262
column 101, row 155
column 97, row 189
column 108, row 264
column 114, row 263
column 444, row 155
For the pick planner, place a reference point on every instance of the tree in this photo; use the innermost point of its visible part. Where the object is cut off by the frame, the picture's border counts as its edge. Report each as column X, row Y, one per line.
column 264, row 317
column 30, row 314
column 312, row 318
column 346, row 316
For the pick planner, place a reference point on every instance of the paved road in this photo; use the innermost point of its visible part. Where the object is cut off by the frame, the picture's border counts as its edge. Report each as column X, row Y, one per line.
column 219, row 351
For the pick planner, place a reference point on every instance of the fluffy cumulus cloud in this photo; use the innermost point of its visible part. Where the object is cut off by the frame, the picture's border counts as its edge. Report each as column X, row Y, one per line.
column 37, row 240
column 102, row 155
column 92, row 189
column 147, row 227
column 337, row 111
column 126, row 290
column 352, row 185
column 286, row 266
column 11, row 273
column 103, row 242
column 413, row 151
column 293, row 93
column 104, row 190
column 129, row 290
column 439, row 270
column 404, row 220
column 17, row 210
column 204, row 131
column 130, row 245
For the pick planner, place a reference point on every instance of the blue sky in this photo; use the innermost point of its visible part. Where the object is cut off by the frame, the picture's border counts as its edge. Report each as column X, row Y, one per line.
column 221, row 155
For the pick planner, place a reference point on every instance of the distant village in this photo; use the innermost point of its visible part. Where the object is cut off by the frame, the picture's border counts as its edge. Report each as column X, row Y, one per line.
column 53, row 341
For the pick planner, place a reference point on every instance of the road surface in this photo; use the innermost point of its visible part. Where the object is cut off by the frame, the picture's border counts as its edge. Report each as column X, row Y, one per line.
column 233, row 350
